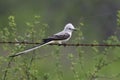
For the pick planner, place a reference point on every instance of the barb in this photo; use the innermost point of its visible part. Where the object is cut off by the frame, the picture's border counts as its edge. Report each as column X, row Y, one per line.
column 68, row 44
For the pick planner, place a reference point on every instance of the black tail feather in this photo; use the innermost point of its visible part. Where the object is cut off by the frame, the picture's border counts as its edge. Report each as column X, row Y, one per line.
column 47, row 40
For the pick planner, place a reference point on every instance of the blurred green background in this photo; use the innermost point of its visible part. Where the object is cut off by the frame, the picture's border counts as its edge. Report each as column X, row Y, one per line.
column 97, row 20
column 99, row 16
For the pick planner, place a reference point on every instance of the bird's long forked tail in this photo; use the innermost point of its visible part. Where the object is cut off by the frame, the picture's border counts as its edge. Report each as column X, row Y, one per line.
column 31, row 49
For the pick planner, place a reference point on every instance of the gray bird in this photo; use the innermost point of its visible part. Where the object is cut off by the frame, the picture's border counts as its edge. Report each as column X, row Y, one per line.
column 60, row 37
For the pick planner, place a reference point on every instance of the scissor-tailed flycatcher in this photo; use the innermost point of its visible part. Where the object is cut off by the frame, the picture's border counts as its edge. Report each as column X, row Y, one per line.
column 60, row 37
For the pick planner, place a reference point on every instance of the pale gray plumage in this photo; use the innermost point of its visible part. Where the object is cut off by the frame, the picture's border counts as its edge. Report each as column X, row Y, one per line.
column 60, row 37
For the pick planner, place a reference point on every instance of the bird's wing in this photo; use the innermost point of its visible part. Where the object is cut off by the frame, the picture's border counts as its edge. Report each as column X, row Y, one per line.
column 59, row 36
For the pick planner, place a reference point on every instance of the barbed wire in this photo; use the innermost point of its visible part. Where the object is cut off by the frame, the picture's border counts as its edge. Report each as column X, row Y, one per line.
column 67, row 44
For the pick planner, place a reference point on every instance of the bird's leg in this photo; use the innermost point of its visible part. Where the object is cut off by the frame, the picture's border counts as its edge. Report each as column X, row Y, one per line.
column 64, row 44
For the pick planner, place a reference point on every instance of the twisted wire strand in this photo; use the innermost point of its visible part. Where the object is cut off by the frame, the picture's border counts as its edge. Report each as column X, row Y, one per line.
column 67, row 44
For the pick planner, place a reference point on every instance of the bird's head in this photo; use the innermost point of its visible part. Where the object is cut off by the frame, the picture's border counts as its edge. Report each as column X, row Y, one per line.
column 69, row 27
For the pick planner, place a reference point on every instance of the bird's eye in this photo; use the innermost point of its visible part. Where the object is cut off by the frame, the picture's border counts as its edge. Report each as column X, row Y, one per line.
column 70, row 29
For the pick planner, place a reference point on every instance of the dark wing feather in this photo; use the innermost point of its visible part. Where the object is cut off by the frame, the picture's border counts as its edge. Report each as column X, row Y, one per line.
column 57, row 37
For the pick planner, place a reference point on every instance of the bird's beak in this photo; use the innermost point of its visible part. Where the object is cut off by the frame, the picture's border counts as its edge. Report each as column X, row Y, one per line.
column 75, row 29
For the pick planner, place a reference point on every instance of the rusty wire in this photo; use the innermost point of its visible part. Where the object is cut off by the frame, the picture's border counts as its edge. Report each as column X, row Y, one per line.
column 67, row 44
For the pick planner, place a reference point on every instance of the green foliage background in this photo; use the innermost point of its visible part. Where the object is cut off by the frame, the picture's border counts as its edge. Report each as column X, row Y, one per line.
column 98, row 21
